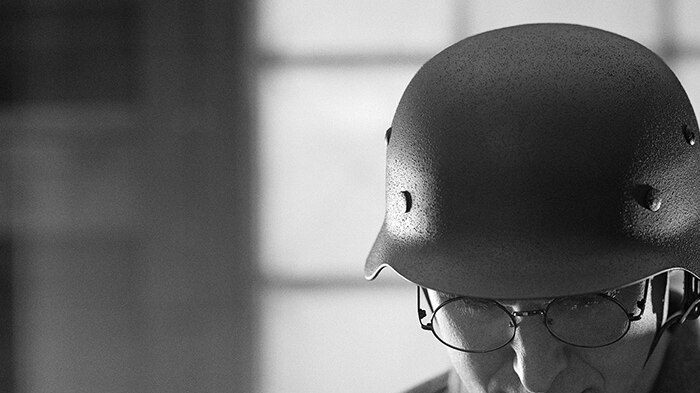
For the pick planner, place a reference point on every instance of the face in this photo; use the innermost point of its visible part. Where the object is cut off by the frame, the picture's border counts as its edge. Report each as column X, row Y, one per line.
column 535, row 361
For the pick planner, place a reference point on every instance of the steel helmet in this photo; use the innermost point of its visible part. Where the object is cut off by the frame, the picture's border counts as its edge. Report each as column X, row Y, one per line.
column 540, row 160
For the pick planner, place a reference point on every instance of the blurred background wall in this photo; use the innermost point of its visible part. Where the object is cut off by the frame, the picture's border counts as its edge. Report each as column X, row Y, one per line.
column 190, row 188
column 127, row 170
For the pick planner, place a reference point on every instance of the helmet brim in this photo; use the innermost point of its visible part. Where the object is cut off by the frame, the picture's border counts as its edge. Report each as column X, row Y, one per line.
column 524, row 267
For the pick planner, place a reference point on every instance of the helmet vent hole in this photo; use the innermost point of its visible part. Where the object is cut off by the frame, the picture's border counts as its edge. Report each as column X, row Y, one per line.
column 387, row 136
column 409, row 200
column 653, row 199
column 689, row 135
column 648, row 197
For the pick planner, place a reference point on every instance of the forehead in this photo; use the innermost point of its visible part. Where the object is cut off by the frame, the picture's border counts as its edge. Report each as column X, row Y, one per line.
column 629, row 292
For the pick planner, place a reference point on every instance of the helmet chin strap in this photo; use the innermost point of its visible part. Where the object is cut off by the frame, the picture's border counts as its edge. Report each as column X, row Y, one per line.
column 690, row 309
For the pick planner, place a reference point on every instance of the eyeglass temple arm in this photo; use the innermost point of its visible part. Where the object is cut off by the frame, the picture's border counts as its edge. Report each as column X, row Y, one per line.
column 678, row 318
column 689, row 310
column 641, row 304
column 421, row 312
column 691, row 302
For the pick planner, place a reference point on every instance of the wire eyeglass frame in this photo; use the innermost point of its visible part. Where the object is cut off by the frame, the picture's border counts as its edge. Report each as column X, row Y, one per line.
column 422, row 314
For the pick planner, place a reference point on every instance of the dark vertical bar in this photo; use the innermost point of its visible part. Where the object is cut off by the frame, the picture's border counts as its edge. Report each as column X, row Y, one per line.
column 7, row 375
column 11, row 71
column 199, row 278
column 10, row 78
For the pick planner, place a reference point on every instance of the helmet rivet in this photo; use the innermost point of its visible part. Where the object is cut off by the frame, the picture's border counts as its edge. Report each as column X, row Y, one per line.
column 387, row 136
column 408, row 199
column 653, row 199
column 689, row 135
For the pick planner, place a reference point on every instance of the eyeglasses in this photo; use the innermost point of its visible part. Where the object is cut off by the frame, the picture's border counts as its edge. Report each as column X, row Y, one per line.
column 482, row 325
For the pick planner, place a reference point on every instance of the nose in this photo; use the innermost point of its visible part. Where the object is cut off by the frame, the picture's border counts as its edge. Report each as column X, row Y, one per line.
column 539, row 357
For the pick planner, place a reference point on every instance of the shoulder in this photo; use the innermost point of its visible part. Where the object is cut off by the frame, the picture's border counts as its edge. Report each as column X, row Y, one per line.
column 443, row 383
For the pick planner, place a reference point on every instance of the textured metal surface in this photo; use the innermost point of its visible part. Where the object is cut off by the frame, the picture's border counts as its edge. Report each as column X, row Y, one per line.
column 541, row 160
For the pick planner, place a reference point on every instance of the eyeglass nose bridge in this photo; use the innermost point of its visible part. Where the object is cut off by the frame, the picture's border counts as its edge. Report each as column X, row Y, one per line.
column 526, row 313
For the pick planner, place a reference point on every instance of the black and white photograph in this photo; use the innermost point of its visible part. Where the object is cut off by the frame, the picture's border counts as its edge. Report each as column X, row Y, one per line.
column 313, row 196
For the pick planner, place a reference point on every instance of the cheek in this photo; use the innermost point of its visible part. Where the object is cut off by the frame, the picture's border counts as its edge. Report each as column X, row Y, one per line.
column 477, row 369
column 621, row 364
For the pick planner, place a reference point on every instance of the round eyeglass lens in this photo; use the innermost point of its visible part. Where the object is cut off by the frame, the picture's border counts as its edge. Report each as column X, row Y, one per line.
column 587, row 321
column 473, row 325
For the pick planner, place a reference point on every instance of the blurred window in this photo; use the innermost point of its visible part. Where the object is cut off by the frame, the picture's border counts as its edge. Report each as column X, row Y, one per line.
column 331, row 76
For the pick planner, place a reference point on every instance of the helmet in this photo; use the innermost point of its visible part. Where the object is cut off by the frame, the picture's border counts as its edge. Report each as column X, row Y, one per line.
column 540, row 160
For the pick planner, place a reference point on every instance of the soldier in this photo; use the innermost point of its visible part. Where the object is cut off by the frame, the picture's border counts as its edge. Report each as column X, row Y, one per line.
column 543, row 193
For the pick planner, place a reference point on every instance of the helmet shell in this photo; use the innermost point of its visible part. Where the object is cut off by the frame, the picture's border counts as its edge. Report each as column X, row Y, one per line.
column 540, row 160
